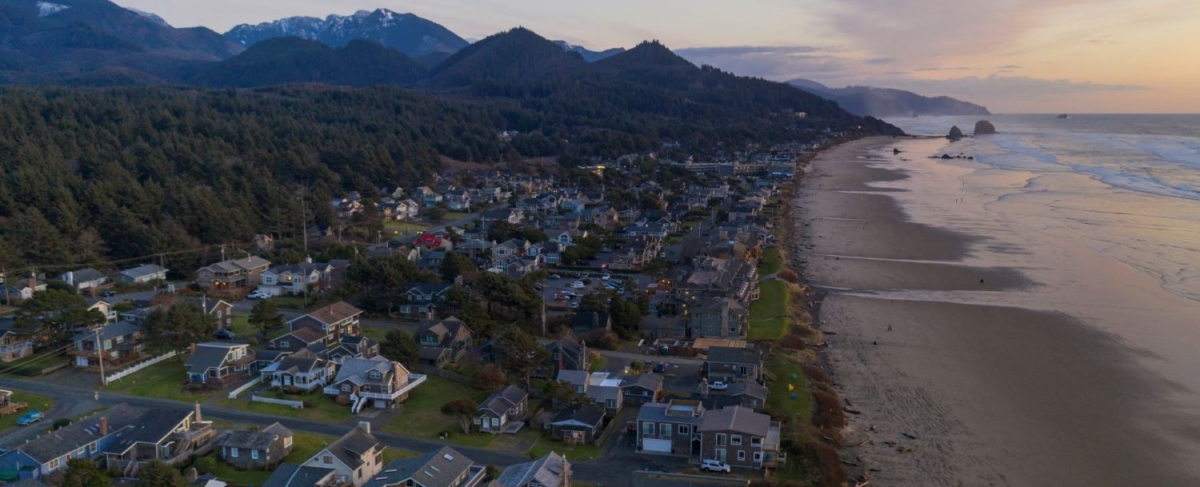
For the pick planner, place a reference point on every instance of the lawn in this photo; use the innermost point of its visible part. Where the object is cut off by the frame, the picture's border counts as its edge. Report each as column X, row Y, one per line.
column 455, row 216
column 402, row 229
column 770, row 263
column 787, row 373
column 577, row 453
column 422, row 415
column 33, row 365
column 377, row 334
column 300, row 303
column 769, row 315
column 598, row 363
column 241, row 326
column 163, row 380
column 36, row 402
column 304, row 446
column 323, row 408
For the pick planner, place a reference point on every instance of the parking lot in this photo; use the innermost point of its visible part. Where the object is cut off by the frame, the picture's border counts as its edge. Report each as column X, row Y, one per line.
column 557, row 292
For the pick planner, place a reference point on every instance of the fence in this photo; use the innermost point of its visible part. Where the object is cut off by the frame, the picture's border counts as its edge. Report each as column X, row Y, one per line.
column 139, row 366
column 244, row 387
column 284, row 402
column 443, row 373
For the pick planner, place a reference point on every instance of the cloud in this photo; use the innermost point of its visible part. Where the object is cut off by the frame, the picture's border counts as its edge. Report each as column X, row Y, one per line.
column 881, row 60
column 998, row 87
column 778, row 62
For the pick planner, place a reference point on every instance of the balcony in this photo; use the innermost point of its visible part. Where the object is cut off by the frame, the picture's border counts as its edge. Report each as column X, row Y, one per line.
column 414, row 380
column 246, row 359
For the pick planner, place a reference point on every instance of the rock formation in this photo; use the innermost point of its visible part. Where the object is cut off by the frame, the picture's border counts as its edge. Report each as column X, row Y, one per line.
column 984, row 127
column 955, row 133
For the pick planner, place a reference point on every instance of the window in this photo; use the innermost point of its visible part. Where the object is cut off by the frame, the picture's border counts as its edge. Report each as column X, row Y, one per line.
column 735, row 440
column 283, row 344
column 376, row 375
column 233, row 452
column 664, row 430
column 685, row 429
column 755, row 441
column 92, row 447
column 741, row 455
column 327, row 459
column 345, row 387
column 758, row 456
column 254, row 454
column 647, row 429
column 54, row 464
column 720, row 439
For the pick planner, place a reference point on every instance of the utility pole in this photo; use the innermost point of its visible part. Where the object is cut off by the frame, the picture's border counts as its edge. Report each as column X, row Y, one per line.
column 100, row 358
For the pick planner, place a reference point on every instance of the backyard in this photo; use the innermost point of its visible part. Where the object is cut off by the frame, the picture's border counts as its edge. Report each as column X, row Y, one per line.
column 163, row 380
column 422, row 415
column 769, row 315
column 318, row 406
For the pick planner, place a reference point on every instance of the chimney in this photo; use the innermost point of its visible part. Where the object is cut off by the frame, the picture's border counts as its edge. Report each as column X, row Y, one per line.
column 197, row 419
column 104, row 426
column 365, row 426
column 308, row 260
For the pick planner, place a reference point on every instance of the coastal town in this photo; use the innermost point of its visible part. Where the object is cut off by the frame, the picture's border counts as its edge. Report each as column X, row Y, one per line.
column 550, row 327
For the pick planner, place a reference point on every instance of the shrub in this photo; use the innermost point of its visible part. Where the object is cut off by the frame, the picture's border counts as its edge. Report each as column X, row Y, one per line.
column 205, row 465
column 252, row 341
column 308, row 404
column 789, row 276
column 602, row 339
column 342, row 400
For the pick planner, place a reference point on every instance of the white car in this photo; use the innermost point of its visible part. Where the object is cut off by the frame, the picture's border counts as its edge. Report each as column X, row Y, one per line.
column 577, row 285
column 714, row 466
column 258, row 295
column 605, row 277
column 574, row 304
column 718, row 386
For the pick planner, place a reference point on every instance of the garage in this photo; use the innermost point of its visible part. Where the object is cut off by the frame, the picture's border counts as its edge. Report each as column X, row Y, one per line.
column 656, row 446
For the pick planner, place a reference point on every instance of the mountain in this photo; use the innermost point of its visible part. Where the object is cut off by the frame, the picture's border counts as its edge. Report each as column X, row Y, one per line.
column 589, row 55
column 412, row 35
column 287, row 60
column 516, row 56
column 887, row 102
column 97, row 42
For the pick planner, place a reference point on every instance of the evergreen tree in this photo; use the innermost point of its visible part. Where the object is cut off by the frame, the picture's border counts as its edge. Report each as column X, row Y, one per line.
column 155, row 473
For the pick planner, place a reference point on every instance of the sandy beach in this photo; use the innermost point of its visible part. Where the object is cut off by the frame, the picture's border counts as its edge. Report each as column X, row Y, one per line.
column 991, row 372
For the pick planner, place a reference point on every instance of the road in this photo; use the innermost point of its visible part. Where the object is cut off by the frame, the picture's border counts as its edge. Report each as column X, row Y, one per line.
column 610, row 470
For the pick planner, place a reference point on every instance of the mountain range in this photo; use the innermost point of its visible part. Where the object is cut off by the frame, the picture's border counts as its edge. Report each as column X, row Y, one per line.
column 887, row 102
column 407, row 33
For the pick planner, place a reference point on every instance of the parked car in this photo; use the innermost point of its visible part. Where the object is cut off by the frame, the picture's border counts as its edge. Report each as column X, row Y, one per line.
column 537, row 286
column 578, row 285
column 30, row 418
column 718, row 385
column 223, row 335
column 574, row 304
column 714, row 466
column 555, row 276
column 660, row 368
column 109, row 293
column 605, row 277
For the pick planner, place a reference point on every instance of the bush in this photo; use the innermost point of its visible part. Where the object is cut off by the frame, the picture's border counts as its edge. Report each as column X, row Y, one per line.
column 602, row 339
column 205, row 465
column 252, row 341
column 308, row 404
column 342, row 400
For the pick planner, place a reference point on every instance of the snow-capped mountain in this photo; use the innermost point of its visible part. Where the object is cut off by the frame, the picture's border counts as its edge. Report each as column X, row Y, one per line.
column 158, row 20
column 407, row 33
column 589, row 55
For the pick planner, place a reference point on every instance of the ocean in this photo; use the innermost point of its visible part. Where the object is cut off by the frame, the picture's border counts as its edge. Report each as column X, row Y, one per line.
column 1029, row 309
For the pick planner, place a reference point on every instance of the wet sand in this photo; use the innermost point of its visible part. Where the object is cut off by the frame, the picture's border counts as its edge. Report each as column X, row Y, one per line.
column 993, row 394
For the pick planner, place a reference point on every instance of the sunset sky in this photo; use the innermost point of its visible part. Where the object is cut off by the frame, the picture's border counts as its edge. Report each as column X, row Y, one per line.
column 1011, row 55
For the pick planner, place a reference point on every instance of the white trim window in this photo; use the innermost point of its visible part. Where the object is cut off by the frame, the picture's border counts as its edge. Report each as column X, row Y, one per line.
column 741, row 455
column 233, row 452
column 735, row 440
column 254, row 454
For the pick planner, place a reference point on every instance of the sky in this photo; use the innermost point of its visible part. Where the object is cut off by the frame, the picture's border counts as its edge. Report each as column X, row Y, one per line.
column 1013, row 56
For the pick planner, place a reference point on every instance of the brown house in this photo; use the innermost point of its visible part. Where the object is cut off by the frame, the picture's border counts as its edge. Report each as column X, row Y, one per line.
column 233, row 274
column 503, row 411
column 257, row 450
column 670, row 428
column 221, row 311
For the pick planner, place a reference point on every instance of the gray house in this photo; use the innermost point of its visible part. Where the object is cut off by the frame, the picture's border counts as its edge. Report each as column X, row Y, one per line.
column 733, row 364
column 575, row 426
column 551, row 470
column 642, row 388
column 84, row 279
column 722, row 318
column 445, row 467
column 142, row 274
column 257, row 450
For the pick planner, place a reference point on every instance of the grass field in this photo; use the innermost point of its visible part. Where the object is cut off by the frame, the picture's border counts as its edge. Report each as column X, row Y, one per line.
column 323, row 409
column 401, row 229
column 769, row 315
column 163, row 380
column 770, row 262
column 780, row 398
column 577, row 453
column 32, row 365
column 35, row 402
column 455, row 216
column 422, row 415
column 241, row 326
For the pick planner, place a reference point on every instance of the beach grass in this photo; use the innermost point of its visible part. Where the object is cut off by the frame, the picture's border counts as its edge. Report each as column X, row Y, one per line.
column 574, row 453
column 769, row 315
column 454, row 216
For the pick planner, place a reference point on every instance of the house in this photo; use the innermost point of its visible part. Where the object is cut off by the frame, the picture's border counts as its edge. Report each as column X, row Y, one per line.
column 376, row 382
column 511, row 248
column 346, row 207
column 740, row 437
column 22, row 290
column 142, row 274
column 422, row 298
column 551, row 252
column 444, row 467
column 721, row 318
column 233, row 274
column 103, row 307
column 220, row 363
column 220, row 310
column 657, row 230
column 14, row 346
column 428, row 196
column 351, row 346
column 255, row 449
column 450, row 337
column 169, row 435
column 355, row 458
column 511, row 215
column 733, row 364
column 475, row 248
column 573, row 206
column 750, row 395
column 117, row 344
column 458, row 200
column 87, row 437
column 551, row 470
column 642, row 388
column 503, row 411
column 587, row 321
column 300, row 339
column 84, row 279
column 334, row 321
column 296, row 278
column 292, row 475
column 566, row 353
column 302, row 370
column 602, row 390
column 670, row 428
column 578, row 426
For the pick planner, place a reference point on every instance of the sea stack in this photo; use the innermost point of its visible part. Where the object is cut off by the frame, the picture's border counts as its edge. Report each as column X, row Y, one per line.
column 955, row 133
column 984, row 127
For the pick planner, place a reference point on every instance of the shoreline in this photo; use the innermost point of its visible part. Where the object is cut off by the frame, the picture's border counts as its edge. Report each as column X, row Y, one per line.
column 944, row 393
